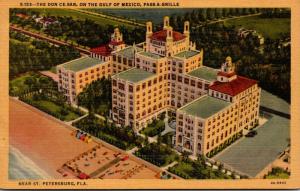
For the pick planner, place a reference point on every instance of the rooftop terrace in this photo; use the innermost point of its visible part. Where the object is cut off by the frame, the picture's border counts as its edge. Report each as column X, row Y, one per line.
column 205, row 107
column 128, row 52
column 187, row 54
column 205, row 73
column 151, row 55
column 81, row 64
column 134, row 75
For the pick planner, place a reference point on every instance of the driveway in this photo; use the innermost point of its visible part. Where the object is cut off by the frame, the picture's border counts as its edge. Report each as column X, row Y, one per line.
column 251, row 155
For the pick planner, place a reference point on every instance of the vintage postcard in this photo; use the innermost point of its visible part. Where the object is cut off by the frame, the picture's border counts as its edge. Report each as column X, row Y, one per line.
column 139, row 94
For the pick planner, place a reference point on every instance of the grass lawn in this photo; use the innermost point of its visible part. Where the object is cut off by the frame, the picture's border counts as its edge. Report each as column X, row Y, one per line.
column 56, row 109
column 98, row 128
column 278, row 176
column 18, row 86
column 79, row 15
column 183, row 168
column 278, row 173
column 268, row 27
column 159, row 155
column 154, row 128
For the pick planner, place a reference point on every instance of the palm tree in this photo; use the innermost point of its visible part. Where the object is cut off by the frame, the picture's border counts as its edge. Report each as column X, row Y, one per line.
column 185, row 156
column 146, row 142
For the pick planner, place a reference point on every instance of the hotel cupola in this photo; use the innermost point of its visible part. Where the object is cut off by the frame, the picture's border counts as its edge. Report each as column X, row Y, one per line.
column 227, row 72
column 168, row 42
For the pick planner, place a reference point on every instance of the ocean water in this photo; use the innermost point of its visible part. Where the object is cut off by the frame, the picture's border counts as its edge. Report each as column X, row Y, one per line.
column 22, row 167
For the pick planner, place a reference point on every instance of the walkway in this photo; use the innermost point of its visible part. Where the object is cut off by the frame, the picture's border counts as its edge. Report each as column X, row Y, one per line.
column 87, row 111
column 132, row 150
column 169, row 165
column 167, row 127
column 77, row 119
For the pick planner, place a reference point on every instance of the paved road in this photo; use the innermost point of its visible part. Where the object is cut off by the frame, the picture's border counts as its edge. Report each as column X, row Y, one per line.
column 130, row 22
column 226, row 19
column 49, row 39
column 251, row 155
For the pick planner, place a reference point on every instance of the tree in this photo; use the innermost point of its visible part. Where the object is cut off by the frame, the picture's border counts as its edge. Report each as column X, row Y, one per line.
column 203, row 14
column 185, row 156
column 146, row 141
column 159, row 139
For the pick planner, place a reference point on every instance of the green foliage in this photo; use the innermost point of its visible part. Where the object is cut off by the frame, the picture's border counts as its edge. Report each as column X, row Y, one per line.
column 189, row 169
column 153, row 129
column 167, row 138
column 278, row 173
column 159, row 155
column 84, row 31
column 35, row 55
column 43, row 103
column 96, row 97
column 31, row 82
column 122, row 137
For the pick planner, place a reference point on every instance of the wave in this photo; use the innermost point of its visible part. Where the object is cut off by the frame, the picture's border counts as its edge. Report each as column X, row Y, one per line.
column 22, row 167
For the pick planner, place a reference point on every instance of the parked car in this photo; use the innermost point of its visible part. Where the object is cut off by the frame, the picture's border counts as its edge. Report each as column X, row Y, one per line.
column 251, row 133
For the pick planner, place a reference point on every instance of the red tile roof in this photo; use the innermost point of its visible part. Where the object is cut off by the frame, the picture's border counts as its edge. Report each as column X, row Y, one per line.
column 234, row 87
column 116, row 43
column 220, row 73
column 103, row 50
column 162, row 35
column 23, row 16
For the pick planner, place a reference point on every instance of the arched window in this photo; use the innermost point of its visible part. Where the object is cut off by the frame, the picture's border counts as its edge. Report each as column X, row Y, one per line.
column 187, row 145
column 199, row 146
column 179, row 139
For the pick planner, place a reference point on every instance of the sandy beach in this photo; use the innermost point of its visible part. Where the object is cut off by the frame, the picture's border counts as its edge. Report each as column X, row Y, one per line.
column 50, row 144
column 46, row 142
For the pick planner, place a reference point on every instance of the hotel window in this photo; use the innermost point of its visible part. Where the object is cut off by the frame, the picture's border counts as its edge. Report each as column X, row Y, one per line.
column 186, row 80
column 206, row 86
column 130, row 62
column 119, row 59
column 199, row 85
column 130, row 88
column 193, row 82
column 125, row 61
